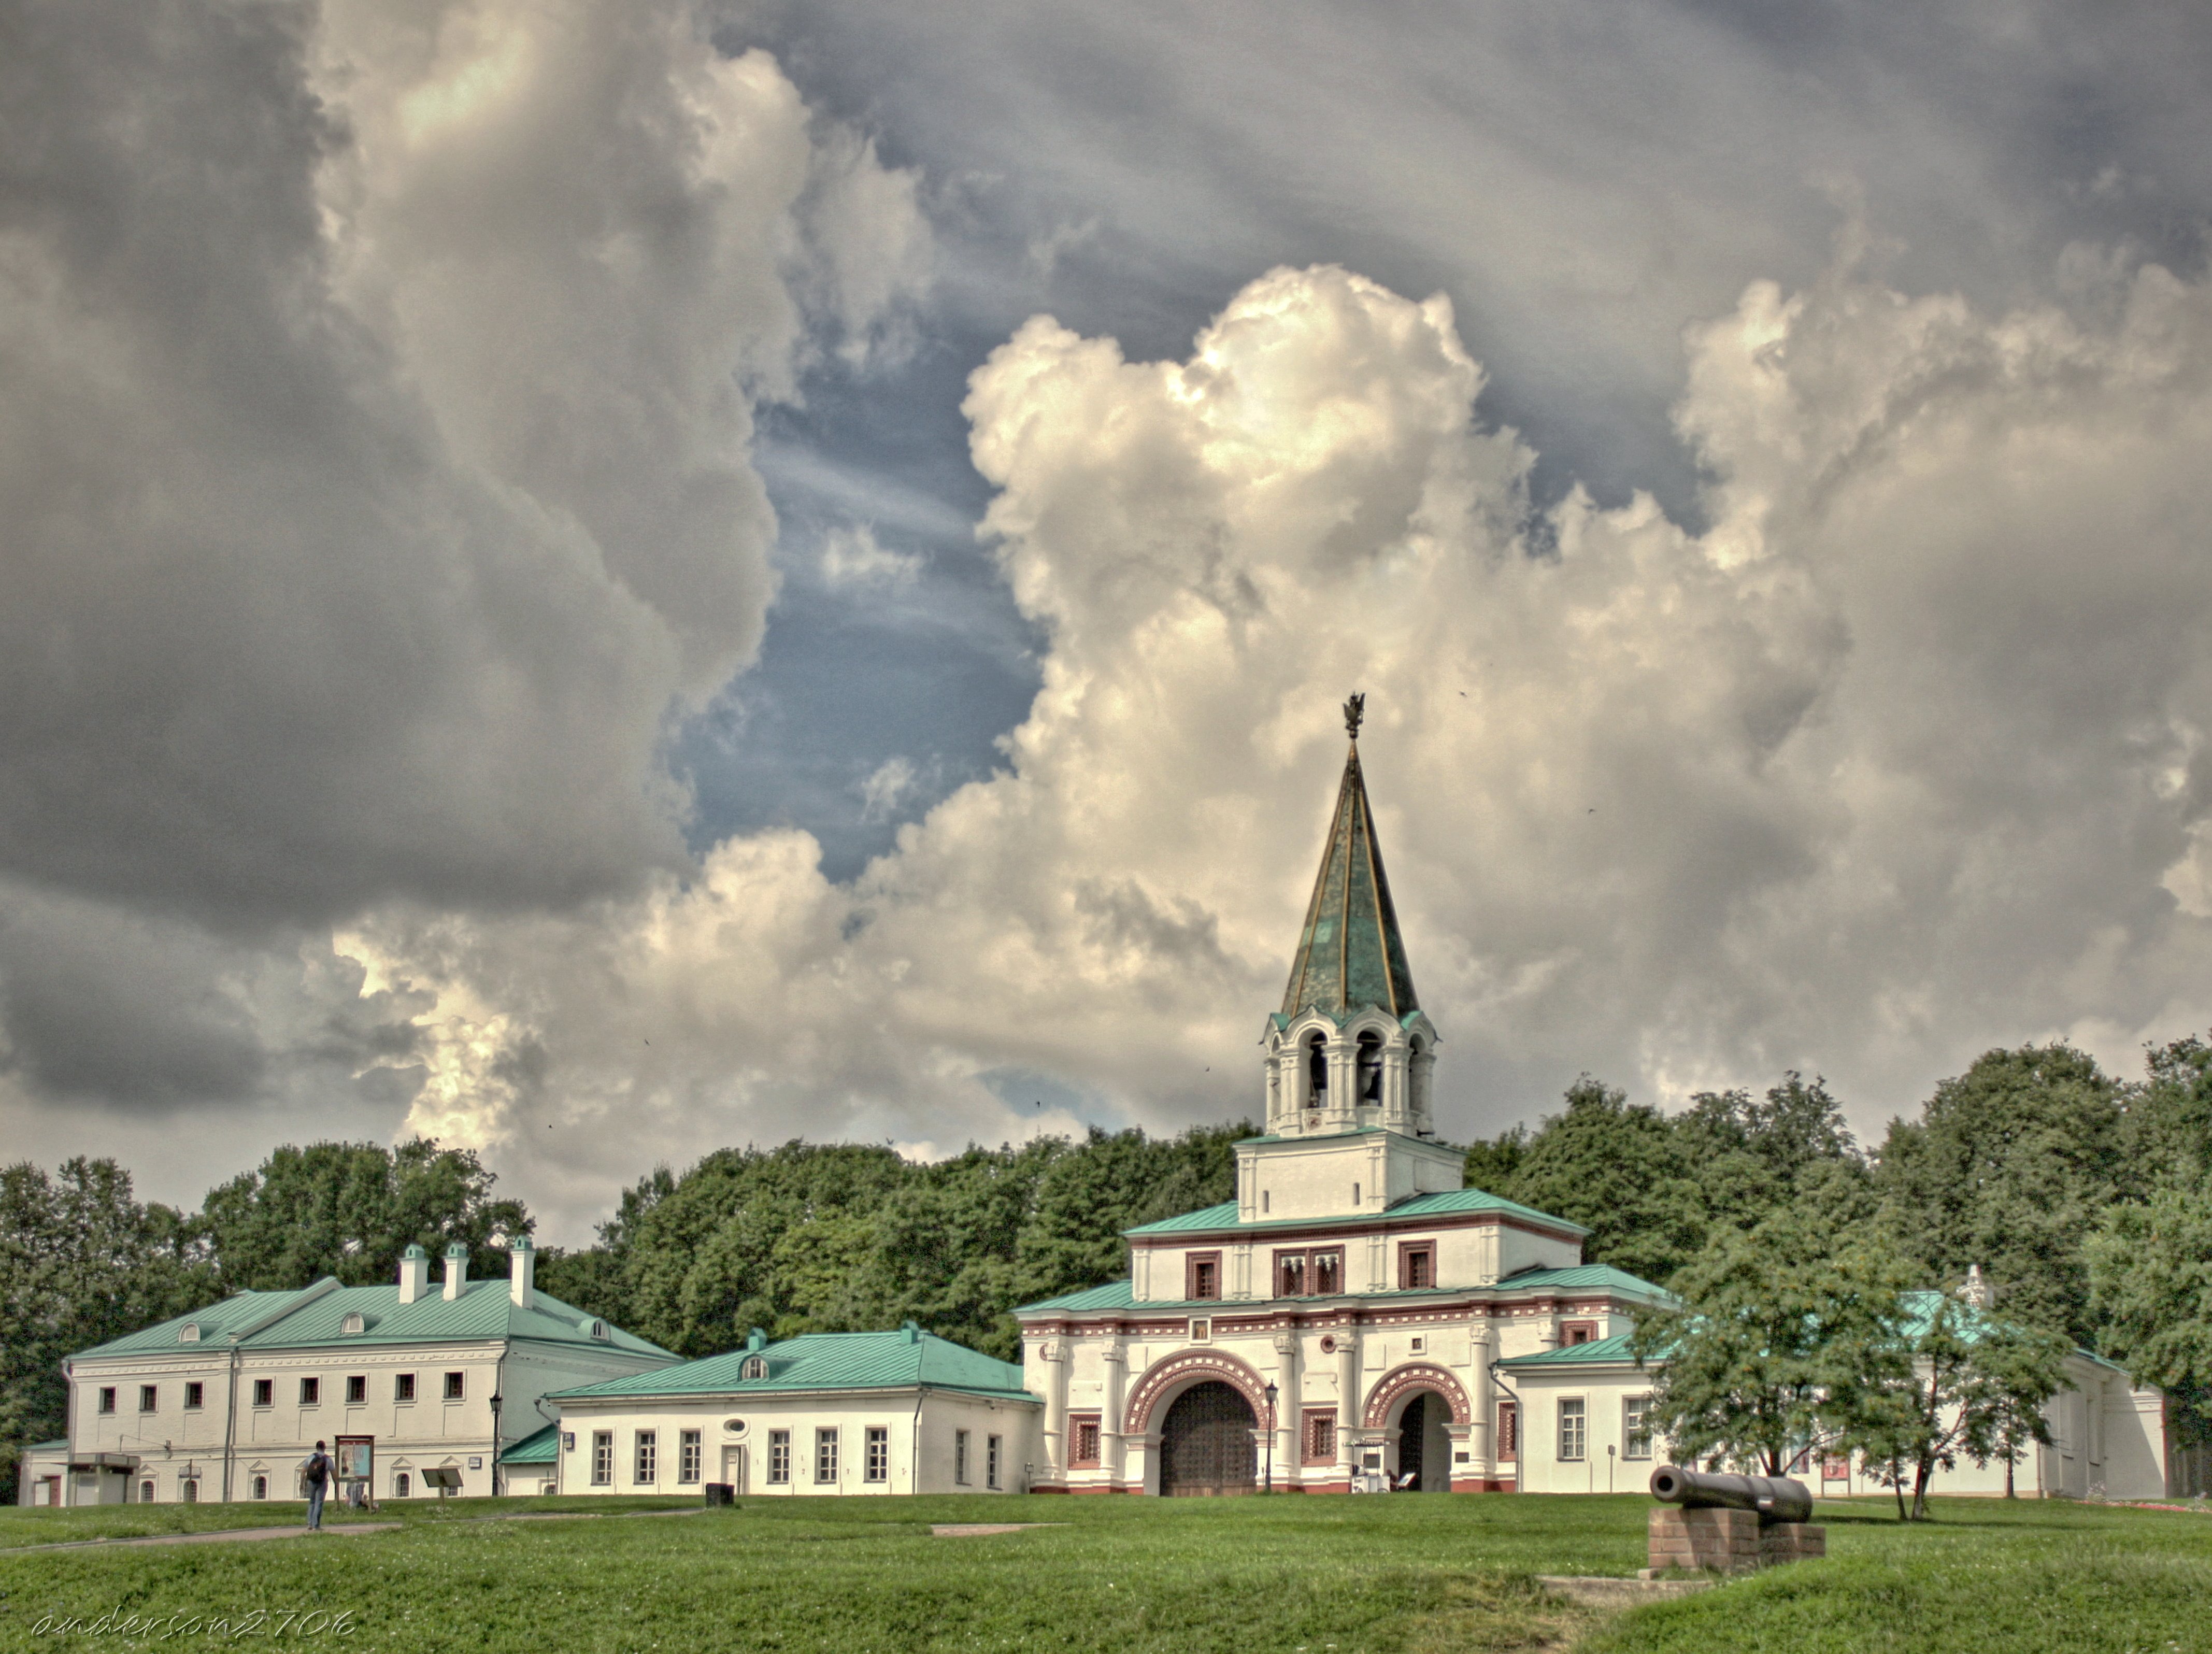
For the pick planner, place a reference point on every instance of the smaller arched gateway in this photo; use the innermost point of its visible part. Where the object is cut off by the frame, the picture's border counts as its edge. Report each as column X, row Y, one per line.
column 1420, row 1403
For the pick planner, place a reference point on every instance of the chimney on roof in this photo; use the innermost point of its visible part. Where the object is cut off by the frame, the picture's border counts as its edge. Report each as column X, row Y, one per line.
column 414, row 1273
column 912, row 1332
column 755, row 1339
column 521, row 1273
column 457, row 1271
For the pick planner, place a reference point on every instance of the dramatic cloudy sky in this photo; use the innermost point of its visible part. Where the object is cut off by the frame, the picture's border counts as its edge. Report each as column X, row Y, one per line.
column 602, row 578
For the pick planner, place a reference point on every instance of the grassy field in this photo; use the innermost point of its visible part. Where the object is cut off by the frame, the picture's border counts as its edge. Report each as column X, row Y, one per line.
column 1419, row 1573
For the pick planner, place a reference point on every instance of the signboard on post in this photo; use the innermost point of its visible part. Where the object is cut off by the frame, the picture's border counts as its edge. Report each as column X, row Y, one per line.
column 356, row 1467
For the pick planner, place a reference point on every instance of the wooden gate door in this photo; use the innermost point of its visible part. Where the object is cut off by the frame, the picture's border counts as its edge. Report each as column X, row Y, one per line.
column 1206, row 1444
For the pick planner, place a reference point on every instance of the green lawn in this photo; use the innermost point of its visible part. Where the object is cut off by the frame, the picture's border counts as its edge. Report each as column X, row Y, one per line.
column 1421, row 1573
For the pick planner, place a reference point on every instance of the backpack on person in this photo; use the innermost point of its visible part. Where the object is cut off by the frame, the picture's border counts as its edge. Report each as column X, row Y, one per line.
column 318, row 1470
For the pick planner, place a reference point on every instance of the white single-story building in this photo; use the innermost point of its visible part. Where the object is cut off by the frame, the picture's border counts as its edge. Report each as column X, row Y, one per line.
column 902, row 1412
column 1584, row 1409
column 227, row 1402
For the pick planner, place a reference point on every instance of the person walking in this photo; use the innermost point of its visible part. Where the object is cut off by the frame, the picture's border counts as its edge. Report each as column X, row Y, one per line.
column 318, row 1484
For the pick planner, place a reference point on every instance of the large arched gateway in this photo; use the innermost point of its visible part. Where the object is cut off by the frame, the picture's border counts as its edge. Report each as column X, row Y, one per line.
column 1207, row 1442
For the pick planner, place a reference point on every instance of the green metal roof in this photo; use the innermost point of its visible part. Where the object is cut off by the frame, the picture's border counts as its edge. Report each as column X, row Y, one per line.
column 825, row 1361
column 1598, row 1352
column 311, row 1318
column 1121, row 1294
column 61, row 1446
column 542, row 1447
column 1350, row 953
column 1211, row 1218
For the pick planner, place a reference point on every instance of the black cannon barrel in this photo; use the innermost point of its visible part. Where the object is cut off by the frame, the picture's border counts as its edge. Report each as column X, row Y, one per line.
column 1775, row 1498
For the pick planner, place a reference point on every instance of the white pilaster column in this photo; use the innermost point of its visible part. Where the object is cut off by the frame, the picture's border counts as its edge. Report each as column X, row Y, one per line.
column 1347, row 1397
column 1116, row 1356
column 1054, row 1353
column 1482, row 1441
column 1287, row 1411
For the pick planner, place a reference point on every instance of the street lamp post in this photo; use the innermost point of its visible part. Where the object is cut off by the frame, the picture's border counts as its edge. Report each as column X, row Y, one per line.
column 1272, row 1394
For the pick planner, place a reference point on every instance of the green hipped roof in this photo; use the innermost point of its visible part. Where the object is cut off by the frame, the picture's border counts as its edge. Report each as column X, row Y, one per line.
column 542, row 1447
column 315, row 1316
column 1597, row 1353
column 1121, row 1294
column 1416, row 1206
column 1350, row 953
column 61, row 1446
column 819, row 1361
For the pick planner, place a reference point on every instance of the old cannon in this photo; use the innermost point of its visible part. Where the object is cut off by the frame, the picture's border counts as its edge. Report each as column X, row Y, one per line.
column 1771, row 1499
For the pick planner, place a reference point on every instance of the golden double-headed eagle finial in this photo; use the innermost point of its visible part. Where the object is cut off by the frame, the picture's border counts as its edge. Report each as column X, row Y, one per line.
column 1354, row 710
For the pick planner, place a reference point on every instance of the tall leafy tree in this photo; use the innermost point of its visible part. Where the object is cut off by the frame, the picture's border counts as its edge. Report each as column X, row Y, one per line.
column 2150, row 1274
column 81, row 1261
column 349, row 1209
column 2010, row 1167
column 2168, row 1132
column 1744, row 1366
column 1938, row 1381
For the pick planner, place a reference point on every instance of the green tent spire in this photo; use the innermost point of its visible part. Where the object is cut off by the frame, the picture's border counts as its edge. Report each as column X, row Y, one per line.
column 1350, row 953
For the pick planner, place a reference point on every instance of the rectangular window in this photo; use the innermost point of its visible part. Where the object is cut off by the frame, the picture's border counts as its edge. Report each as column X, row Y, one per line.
column 108, row 1398
column 265, row 1392
column 1509, row 1431
column 960, row 1457
column 195, row 1393
column 603, row 1459
column 356, row 1389
column 825, row 1456
column 1202, row 1276
column 1083, row 1441
column 1571, row 1424
column 876, row 1467
column 1636, row 1427
column 403, row 1386
column 1326, row 1272
column 1578, row 1332
column 1317, row 1440
column 150, row 1398
column 688, row 1455
column 991, row 1453
column 1416, row 1265
column 644, row 1460
column 1290, row 1275
column 311, row 1391
column 456, row 1386
column 778, row 1455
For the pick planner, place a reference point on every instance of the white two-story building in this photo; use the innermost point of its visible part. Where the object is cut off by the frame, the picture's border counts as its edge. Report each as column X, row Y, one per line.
column 227, row 1402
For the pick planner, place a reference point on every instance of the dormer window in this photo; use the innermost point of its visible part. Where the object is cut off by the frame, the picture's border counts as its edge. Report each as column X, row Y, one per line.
column 189, row 1333
column 599, row 1329
column 354, row 1323
column 1369, row 1073
column 752, row 1367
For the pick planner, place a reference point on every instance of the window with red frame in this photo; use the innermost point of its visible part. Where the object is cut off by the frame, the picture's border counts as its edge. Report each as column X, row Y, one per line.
column 1202, row 1276
column 1317, row 1439
column 1578, row 1332
column 1325, row 1274
column 1509, row 1431
column 1416, row 1265
column 1290, row 1275
column 1083, row 1441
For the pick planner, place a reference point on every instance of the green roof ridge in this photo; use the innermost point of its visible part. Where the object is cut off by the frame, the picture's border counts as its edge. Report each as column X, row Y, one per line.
column 1349, row 952
column 899, row 1359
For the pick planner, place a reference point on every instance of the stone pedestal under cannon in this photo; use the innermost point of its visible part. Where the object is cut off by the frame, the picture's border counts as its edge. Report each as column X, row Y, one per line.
column 1729, row 1524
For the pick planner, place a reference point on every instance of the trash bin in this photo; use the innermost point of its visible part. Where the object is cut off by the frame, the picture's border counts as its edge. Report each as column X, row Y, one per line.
column 720, row 1492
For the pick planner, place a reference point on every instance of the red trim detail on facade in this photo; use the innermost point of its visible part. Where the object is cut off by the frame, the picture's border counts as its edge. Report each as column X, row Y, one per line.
column 1192, row 1367
column 1413, row 1376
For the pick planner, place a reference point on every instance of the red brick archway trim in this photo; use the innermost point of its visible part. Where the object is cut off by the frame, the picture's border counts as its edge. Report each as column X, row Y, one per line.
column 1178, row 1372
column 1401, row 1382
